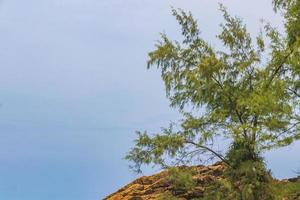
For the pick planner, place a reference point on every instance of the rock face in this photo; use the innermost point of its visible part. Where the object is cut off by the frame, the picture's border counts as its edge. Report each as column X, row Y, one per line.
column 159, row 185
column 154, row 187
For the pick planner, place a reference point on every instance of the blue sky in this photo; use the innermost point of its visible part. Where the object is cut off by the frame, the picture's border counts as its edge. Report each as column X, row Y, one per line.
column 74, row 88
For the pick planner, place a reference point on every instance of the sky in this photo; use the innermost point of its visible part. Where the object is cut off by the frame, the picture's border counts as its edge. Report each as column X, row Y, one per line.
column 74, row 88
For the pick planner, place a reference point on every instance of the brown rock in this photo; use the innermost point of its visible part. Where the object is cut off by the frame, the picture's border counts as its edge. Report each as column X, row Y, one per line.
column 152, row 187
column 155, row 186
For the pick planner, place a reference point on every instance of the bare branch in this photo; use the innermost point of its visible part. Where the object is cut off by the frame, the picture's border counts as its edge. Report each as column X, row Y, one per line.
column 210, row 150
column 294, row 92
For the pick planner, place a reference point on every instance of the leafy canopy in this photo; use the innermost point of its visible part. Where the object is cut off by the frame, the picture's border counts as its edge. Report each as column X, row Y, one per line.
column 248, row 91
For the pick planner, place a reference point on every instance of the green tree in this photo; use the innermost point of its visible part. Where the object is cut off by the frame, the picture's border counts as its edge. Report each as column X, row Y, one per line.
column 247, row 92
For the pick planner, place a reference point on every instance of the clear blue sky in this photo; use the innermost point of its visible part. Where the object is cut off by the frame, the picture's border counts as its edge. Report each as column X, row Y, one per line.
column 74, row 88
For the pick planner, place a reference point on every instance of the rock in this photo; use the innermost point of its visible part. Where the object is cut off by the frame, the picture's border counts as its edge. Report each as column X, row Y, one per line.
column 158, row 185
column 152, row 187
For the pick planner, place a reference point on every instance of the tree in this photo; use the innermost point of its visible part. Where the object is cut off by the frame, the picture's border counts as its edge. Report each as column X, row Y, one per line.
column 291, row 13
column 247, row 92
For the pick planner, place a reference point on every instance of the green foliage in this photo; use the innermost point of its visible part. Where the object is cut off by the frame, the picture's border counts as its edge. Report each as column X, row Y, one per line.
column 249, row 178
column 168, row 196
column 246, row 179
column 247, row 92
column 291, row 13
column 181, row 179
column 154, row 148
column 288, row 190
column 222, row 190
column 241, row 152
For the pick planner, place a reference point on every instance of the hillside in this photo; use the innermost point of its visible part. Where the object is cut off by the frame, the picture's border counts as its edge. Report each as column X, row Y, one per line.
column 159, row 186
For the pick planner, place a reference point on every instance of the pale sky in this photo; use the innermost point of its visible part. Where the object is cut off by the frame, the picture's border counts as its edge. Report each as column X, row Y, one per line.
column 74, row 89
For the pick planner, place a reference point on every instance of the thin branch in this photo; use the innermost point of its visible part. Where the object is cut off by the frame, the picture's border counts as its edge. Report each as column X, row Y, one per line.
column 287, row 130
column 294, row 92
column 180, row 160
column 279, row 67
column 210, row 150
column 239, row 115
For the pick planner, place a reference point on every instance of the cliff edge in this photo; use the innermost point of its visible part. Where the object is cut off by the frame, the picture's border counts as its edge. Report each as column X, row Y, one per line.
column 158, row 186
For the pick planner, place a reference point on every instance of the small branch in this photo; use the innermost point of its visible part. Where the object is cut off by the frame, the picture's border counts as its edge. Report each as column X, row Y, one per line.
column 294, row 92
column 287, row 130
column 279, row 67
column 210, row 150
column 239, row 115
column 180, row 160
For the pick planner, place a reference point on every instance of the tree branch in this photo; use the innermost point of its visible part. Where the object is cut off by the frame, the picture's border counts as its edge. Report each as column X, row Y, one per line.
column 287, row 130
column 210, row 150
column 239, row 115
column 294, row 92
column 279, row 67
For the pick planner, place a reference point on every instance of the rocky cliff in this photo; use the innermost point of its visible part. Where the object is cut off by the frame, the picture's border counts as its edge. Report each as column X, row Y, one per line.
column 154, row 187
column 157, row 186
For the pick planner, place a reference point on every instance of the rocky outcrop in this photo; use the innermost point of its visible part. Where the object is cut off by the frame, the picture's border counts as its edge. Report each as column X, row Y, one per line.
column 159, row 185
column 156, row 186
